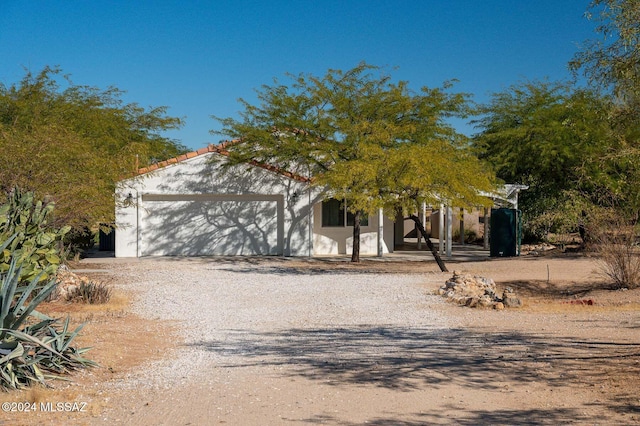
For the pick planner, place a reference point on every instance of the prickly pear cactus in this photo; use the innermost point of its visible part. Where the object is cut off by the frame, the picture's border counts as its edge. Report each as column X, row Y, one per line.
column 36, row 245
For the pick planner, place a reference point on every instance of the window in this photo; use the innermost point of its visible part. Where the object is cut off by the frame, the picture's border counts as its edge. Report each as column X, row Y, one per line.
column 332, row 213
column 335, row 215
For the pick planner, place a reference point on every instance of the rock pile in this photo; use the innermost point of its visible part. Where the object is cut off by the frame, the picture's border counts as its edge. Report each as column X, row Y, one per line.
column 68, row 282
column 477, row 292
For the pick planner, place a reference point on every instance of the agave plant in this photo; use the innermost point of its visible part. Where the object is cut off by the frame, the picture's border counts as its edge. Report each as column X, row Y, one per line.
column 32, row 349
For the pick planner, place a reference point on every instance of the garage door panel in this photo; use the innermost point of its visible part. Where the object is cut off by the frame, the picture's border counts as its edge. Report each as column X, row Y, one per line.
column 210, row 227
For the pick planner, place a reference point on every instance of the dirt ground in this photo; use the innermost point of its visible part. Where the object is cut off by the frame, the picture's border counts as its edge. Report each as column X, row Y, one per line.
column 571, row 354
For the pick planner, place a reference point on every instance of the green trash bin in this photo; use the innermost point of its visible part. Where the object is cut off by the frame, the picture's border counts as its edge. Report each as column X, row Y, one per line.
column 505, row 231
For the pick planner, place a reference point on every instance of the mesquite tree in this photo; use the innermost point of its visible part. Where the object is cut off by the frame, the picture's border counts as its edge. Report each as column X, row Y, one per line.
column 346, row 128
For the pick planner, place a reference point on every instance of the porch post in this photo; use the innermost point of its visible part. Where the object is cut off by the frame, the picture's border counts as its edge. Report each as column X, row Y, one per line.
column 441, row 226
column 485, row 237
column 380, row 232
column 461, row 225
column 449, row 230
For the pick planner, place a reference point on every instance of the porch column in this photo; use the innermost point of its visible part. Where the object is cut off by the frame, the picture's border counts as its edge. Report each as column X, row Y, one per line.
column 485, row 237
column 461, row 225
column 139, row 211
column 380, row 232
column 449, row 230
column 441, row 226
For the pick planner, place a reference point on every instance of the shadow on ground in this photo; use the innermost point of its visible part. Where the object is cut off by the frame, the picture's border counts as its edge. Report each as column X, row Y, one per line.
column 557, row 289
column 406, row 359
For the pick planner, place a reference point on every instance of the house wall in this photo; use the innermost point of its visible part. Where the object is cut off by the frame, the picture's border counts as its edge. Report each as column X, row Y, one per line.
column 195, row 207
column 339, row 240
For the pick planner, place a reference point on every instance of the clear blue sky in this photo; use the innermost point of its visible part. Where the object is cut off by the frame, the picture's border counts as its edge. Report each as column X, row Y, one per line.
column 199, row 57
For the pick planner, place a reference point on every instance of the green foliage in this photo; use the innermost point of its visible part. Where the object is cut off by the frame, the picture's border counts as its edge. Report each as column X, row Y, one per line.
column 72, row 144
column 15, row 310
column 363, row 138
column 33, row 242
column 89, row 292
column 560, row 141
column 31, row 351
column 612, row 60
column 470, row 236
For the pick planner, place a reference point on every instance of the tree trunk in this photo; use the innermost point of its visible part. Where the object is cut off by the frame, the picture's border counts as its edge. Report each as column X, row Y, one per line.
column 424, row 234
column 355, row 253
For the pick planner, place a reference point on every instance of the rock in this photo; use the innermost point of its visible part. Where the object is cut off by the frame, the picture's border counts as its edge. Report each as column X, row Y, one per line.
column 485, row 301
column 471, row 302
column 475, row 291
column 511, row 302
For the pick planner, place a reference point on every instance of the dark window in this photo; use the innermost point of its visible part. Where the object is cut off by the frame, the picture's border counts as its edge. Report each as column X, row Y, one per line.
column 332, row 213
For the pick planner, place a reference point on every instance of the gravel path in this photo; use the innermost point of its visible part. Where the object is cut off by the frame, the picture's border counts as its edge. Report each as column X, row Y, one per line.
column 264, row 343
column 228, row 311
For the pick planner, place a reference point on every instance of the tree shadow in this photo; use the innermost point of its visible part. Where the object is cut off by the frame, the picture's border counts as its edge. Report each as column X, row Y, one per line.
column 552, row 416
column 407, row 359
column 556, row 290
column 208, row 209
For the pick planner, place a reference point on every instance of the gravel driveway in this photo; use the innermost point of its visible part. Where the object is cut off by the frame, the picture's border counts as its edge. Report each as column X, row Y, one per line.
column 268, row 343
column 230, row 311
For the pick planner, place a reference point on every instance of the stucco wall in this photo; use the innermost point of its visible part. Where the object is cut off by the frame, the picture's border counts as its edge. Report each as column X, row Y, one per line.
column 195, row 207
column 246, row 210
column 339, row 240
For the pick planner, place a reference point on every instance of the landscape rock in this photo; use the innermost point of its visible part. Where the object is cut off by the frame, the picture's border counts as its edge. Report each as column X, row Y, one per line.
column 509, row 298
column 475, row 291
column 68, row 282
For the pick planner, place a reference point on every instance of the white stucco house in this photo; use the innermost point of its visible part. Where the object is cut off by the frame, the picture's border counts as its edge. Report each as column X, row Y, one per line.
column 191, row 206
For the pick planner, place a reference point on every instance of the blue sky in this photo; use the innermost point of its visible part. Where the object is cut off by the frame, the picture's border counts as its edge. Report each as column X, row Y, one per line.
column 199, row 57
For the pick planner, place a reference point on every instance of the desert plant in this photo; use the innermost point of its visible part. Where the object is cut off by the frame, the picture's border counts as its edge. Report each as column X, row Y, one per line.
column 36, row 245
column 32, row 349
column 90, row 292
column 619, row 254
column 470, row 235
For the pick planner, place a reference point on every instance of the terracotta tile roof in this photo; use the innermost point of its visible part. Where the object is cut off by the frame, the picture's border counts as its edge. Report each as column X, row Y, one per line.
column 222, row 150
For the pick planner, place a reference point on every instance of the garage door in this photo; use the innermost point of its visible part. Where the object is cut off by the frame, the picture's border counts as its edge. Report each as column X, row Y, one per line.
column 211, row 224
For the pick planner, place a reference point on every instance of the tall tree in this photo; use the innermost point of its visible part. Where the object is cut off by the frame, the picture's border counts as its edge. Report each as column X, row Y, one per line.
column 613, row 61
column 340, row 128
column 71, row 144
column 558, row 140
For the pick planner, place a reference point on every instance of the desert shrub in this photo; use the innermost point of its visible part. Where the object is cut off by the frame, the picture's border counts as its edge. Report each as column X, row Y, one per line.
column 34, row 243
column 32, row 348
column 78, row 240
column 89, row 292
column 470, row 236
column 616, row 245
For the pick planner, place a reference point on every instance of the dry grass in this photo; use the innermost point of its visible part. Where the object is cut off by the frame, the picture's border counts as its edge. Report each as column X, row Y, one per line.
column 120, row 342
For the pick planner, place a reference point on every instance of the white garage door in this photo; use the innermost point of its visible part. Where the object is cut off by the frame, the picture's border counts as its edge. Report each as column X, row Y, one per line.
column 212, row 224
